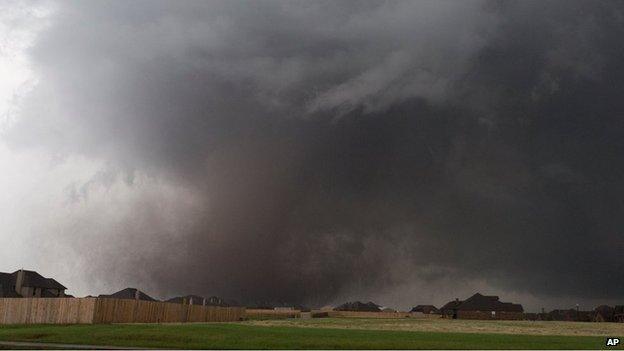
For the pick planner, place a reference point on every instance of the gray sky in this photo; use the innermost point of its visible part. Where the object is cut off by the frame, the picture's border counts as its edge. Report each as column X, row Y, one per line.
column 316, row 151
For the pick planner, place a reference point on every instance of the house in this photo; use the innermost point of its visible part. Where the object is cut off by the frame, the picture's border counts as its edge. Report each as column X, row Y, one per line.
column 603, row 313
column 128, row 294
column 24, row 283
column 618, row 314
column 7, row 285
column 571, row 315
column 358, row 306
column 532, row 316
column 425, row 309
column 188, row 300
column 482, row 307
column 450, row 308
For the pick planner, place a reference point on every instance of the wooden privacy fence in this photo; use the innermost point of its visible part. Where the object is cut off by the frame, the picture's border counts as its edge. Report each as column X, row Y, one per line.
column 98, row 310
column 137, row 311
column 271, row 314
column 46, row 311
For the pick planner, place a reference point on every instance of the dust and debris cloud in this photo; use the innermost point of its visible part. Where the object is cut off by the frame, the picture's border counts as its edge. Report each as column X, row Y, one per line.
column 312, row 151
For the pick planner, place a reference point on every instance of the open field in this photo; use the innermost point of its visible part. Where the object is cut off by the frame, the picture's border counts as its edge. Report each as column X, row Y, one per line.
column 262, row 314
column 327, row 334
column 456, row 326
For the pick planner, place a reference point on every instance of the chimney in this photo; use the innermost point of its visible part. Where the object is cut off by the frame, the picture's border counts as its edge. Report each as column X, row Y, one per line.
column 137, row 294
column 19, row 281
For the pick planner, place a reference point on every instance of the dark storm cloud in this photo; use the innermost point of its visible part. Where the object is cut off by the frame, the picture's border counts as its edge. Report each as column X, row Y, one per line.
column 350, row 146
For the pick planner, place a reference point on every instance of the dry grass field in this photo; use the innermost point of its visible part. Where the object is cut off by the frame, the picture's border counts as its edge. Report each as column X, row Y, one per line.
column 260, row 314
column 455, row 326
column 327, row 334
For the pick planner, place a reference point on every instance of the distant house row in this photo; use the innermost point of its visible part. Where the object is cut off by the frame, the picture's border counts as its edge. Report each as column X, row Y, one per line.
column 477, row 306
column 606, row 313
column 601, row 313
column 136, row 294
column 358, row 306
column 25, row 283
column 489, row 307
column 482, row 307
column 425, row 309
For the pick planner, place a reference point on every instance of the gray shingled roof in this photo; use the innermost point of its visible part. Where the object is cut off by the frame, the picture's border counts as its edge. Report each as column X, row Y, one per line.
column 31, row 279
column 6, row 285
column 197, row 300
column 358, row 306
column 34, row 279
column 478, row 302
column 128, row 294
column 424, row 309
column 451, row 305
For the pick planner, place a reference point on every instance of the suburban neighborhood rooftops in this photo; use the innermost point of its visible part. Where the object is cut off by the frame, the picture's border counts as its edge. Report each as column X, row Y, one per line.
column 129, row 294
column 358, row 306
column 197, row 300
column 32, row 278
column 479, row 302
column 424, row 309
column 6, row 283
column 451, row 305
column 9, row 284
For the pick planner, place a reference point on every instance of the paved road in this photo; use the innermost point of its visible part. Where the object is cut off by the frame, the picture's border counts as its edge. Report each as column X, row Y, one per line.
column 42, row 345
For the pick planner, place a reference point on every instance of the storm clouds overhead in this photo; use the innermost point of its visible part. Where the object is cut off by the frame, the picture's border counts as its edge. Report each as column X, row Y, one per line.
column 317, row 151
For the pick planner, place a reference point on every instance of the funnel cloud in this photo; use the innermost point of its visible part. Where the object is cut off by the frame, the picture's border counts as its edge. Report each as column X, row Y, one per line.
column 312, row 152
